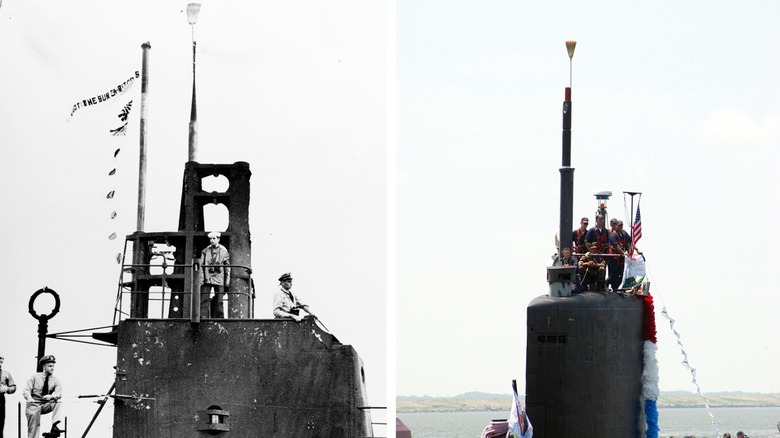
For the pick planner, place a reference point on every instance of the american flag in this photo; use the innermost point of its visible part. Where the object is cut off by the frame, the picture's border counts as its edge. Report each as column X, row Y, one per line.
column 636, row 229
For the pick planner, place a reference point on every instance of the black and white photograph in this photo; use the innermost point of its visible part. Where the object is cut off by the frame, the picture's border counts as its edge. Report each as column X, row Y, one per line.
column 195, row 208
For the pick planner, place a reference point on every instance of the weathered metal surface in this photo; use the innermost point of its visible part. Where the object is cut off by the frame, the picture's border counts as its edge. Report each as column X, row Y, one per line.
column 275, row 378
column 191, row 239
column 584, row 365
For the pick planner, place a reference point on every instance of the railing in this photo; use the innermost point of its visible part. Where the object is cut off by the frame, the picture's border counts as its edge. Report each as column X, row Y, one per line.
column 167, row 290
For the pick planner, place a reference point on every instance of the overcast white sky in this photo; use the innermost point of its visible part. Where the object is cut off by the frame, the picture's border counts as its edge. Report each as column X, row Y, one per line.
column 676, row 100
column 297, row 89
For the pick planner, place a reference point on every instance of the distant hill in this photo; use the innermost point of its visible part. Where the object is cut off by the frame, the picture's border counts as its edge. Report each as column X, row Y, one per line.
column 465, row 395
column 481, row 401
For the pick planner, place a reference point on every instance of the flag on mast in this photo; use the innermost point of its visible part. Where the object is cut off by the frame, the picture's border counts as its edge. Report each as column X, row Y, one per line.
column 636, row 229
column 518, row 420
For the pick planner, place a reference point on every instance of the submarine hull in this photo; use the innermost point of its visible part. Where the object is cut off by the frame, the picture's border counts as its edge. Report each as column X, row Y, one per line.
column 584, row 365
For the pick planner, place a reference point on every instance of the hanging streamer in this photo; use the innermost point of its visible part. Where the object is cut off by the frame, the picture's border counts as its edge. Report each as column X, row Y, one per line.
column 107, row 94
column 122, row 130
column 123, row 116
column 692, row 370
column 125, row 113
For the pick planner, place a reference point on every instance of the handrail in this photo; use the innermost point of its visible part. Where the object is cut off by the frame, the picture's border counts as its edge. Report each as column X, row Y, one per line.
column 161, row 280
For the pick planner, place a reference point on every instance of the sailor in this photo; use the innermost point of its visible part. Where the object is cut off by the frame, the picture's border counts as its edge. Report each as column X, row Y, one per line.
column 286, row 304
column 215, row 277
column 620, row 244
column 598, row 235
column 578, row 237
column 593, row 269
column 7, row 386
column 566, row 259
column 43, row 392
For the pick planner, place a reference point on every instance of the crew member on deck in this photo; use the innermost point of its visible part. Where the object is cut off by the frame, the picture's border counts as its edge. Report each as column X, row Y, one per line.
column 43, row 392
column 7, row 386
column 620, row 243
column 594, row 270
column 566, row 259
column 286, row 304
column 215, row 277
column 578, row 237
column 598, row 235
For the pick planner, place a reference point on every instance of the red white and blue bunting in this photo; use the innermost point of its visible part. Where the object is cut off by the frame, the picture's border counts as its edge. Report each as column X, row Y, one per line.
column 650, row 389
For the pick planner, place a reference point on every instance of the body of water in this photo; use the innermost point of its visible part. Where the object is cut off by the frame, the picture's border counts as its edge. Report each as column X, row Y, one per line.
column 674, row 422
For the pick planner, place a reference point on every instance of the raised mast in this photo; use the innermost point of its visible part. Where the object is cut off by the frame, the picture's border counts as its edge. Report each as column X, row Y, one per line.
column 142, row 149
column 192, row 17
column 567, row 172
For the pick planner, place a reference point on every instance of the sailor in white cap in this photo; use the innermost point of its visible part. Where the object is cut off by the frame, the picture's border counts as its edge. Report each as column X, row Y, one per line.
column 43, row 392
column 286, row 304
column 216, row 277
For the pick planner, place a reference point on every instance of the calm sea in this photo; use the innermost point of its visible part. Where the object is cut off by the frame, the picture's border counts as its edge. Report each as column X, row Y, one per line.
column 674, row 422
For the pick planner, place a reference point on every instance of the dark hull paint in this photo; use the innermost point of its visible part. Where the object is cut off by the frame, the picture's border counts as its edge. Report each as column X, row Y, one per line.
column 275, row 378
column 584, row 366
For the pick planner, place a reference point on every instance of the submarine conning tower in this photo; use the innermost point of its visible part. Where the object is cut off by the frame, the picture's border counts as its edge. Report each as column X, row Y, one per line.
column 180, row 375
column 583, row 351
column 584, row 365
column 148, row 279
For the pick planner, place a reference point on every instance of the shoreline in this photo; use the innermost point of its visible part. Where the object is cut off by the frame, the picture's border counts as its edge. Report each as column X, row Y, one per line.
column 502, row 403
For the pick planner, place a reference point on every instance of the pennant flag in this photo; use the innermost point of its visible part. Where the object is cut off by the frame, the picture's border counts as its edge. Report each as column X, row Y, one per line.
column 518, row 420
column 686, row 364
column 122, row 130
column 125, row 113
column 110, row 119
column 107, row 95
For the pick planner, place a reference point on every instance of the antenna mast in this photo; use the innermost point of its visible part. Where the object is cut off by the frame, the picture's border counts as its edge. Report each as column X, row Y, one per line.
column 142, row 147
column 567, row 172
column 192, row 17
